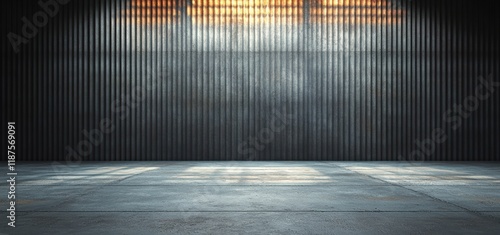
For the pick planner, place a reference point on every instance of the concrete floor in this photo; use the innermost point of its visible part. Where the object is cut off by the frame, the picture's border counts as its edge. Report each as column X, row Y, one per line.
column 257, row 198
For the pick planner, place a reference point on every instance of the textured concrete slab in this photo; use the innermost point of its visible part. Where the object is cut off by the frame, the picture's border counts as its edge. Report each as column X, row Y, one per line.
column 236, row 198
column 256, row 223
column 475, row 198
column 257, row 197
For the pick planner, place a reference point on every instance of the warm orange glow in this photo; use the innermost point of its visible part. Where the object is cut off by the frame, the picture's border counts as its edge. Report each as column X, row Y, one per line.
column 246, row 3
column 246, row 12
column 263, row 11
column 237, row 11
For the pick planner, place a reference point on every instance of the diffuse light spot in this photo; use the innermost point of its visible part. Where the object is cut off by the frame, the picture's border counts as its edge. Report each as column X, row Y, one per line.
column 216, row 12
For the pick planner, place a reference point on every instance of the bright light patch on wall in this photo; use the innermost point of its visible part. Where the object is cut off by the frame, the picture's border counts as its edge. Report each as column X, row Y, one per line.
column 216, row 12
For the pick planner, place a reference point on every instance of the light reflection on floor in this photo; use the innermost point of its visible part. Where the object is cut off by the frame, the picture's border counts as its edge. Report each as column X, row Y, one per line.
column 266, row 175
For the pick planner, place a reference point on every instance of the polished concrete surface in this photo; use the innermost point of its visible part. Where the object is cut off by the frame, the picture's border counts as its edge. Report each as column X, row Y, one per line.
column 256, row 198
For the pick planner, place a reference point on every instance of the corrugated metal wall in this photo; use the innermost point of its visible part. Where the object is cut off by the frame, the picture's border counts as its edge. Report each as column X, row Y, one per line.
column 252, row 80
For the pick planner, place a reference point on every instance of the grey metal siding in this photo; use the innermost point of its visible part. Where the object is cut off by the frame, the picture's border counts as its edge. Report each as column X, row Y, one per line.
column 294, row 80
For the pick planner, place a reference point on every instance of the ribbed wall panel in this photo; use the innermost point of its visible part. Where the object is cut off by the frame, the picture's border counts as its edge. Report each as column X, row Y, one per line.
column 356, row 79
